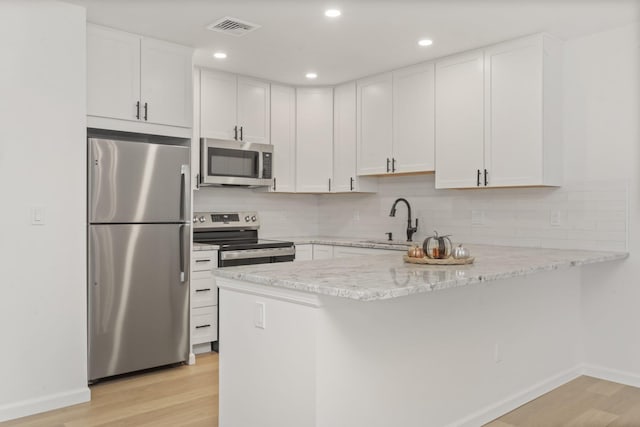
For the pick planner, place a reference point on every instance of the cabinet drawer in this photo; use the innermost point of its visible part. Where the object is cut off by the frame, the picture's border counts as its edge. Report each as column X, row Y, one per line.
column 204, row 325
column 204, row 291
column 204, row 260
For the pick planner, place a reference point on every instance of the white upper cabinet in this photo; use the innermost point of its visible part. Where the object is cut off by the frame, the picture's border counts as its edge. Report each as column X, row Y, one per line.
column 314, row 140
column 459, row 120
column 414, row 119
column 113, row 73
column 375, row 108
column 166, row 86
column 522, row 109
column 283, row 137
column 218, row 105
column 137, row 79
column 345, row 178
column 254, row 110
column 498, row 116
column 396, row 122
column 234, row 108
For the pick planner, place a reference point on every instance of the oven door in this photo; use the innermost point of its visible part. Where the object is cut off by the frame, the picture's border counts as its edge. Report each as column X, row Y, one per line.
column 228, row 258
column 233, row 163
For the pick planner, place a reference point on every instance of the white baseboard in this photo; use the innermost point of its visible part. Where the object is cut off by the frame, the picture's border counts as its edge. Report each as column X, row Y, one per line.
column 43, row 404
column 504, row 406
column 626, row 378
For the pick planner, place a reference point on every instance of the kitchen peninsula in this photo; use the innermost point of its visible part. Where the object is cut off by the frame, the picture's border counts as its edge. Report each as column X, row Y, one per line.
column 372, row 341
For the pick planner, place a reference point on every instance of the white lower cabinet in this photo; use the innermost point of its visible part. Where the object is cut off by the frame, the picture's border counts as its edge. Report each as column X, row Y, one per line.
column 204, row 301
column 304, row 252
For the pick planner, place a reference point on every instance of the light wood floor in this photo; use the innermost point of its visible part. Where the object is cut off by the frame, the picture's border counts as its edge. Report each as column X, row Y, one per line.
column 188, row 396
column 182, row 396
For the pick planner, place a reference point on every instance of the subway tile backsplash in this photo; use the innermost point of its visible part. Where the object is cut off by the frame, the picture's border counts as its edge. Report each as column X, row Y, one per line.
column 584, row 215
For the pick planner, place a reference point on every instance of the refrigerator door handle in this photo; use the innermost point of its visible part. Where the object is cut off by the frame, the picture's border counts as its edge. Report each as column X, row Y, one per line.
column 184, row 256
column 184, row 187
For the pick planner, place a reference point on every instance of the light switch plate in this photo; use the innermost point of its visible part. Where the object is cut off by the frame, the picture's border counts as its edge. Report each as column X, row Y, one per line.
column 37, row 214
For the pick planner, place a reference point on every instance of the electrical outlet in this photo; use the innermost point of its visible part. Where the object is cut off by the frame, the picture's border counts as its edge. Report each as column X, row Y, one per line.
column 555, row 218
column 259, row 315
column 477, row 217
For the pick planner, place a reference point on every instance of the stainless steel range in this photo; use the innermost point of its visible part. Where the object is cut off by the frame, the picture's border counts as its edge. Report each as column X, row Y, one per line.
column 236, row 235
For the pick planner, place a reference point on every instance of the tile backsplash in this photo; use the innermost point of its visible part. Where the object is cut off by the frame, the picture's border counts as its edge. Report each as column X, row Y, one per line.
column 585, row 215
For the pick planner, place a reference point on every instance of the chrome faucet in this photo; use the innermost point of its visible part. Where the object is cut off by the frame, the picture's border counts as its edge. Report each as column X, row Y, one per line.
column 410, row 228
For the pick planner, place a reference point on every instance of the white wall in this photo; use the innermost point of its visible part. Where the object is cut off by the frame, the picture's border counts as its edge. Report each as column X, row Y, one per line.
column 602, row 135
column 42, row 163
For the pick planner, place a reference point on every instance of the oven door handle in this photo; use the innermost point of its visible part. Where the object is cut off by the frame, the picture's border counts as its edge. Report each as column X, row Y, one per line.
column 257, row 253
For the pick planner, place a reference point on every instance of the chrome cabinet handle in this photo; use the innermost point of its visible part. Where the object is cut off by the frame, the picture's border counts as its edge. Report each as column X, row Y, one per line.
column 138, row 110
column 388, row 163
column 351, row 184
column 203, row 260
column 393, row 164
column 241, row 136
column 203, row 290
column 146, row 110
column 235, row 132
column 478, row 179
column 329, row 184
column 486, row 180
column 203, row 326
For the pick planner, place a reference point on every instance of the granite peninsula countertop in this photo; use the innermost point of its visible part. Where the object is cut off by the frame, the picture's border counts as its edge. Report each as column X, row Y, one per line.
column 386, row 276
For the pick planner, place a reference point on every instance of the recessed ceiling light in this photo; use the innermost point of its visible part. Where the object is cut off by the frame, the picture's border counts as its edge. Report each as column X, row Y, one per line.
column 332, row 13
column 311, row 76
column 425, row 42
column 220, row 55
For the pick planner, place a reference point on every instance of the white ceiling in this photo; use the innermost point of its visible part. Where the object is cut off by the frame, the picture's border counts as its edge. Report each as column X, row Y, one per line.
column 371, row 35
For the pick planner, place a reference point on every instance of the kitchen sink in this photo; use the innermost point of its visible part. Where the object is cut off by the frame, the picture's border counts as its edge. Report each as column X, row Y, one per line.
column 390, row 242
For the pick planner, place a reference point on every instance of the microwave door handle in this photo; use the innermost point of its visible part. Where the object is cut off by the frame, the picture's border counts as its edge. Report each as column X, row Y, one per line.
column 184, row 187
column 260, row 164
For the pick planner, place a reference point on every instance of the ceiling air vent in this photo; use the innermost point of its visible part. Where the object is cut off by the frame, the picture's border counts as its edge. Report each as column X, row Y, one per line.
column 233, row 26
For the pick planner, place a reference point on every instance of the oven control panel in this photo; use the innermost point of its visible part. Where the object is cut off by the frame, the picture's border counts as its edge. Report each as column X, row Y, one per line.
column 226, row 219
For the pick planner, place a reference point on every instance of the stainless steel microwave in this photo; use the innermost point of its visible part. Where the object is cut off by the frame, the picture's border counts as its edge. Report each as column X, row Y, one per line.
column 235, row 163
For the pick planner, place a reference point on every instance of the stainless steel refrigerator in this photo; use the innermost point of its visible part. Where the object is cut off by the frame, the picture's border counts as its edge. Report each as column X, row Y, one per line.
column 138, row 238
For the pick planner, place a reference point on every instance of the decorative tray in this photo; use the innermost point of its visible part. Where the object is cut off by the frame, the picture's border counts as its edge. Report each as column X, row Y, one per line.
column 431, row 261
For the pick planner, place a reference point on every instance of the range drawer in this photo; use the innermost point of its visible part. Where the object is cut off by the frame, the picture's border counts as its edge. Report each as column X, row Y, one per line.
column 204, row 324
column 204, row 260
column 204, row 291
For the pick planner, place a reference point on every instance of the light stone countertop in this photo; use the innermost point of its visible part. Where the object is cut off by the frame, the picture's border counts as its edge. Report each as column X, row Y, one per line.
column 386, row 276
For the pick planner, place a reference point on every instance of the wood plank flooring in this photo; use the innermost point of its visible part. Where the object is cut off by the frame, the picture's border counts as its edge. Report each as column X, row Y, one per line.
column 188, row 396
column 182, row 396
column 583, row 402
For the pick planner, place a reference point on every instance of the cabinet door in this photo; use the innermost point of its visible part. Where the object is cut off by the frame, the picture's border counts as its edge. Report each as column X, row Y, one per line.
column 253, row 110
column 459, row 120
column 513, row 113
column 414, row 118
column 344, row 138
column 374, row 106
column 314, row 139
column 283, row 134
column 217, row 104
column 113, row 73
column 166, row 88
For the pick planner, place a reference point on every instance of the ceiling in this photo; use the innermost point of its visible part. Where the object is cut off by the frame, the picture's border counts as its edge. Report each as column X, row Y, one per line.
column 371, row 35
